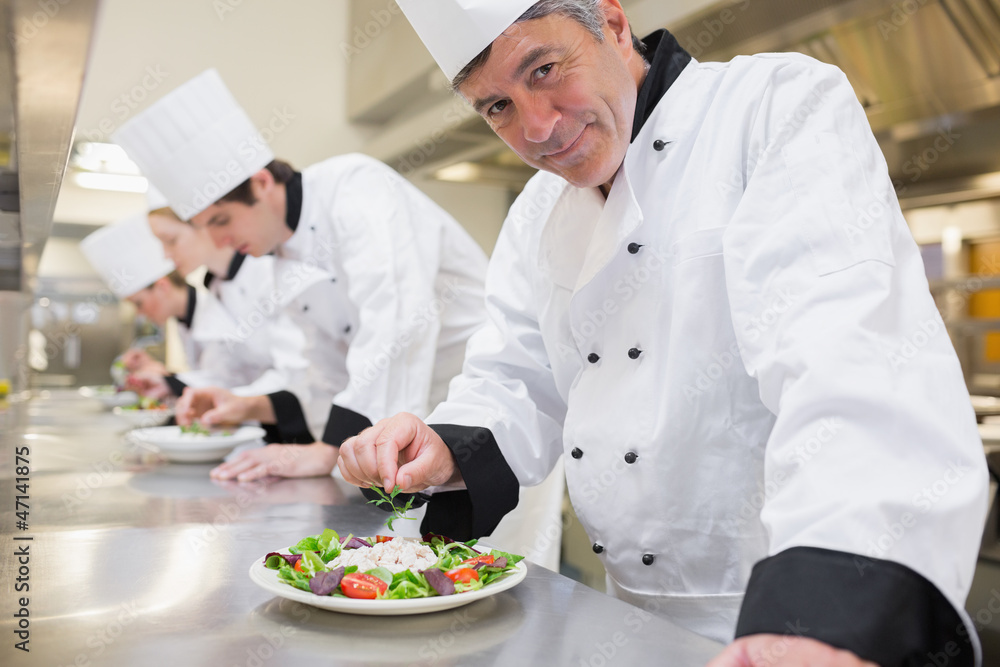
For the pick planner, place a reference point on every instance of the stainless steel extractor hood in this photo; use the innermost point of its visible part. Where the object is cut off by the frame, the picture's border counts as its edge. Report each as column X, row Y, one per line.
column 926, row 71
column 42, row 63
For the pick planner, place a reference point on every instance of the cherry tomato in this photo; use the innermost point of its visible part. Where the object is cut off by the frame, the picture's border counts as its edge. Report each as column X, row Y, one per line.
column 382, row 538
column 362, row 586
column 298, row 566
column 462, row 575
column 485, row 559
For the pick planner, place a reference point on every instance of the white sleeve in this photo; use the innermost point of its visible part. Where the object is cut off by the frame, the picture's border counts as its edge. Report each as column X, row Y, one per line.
column 507, row 384
column 289, row 368
column 875, row 450
column 391, row 259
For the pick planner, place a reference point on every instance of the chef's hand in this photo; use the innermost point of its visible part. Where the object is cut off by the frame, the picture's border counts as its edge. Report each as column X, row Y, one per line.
column 151, row 385
column 400, row 451
column 137, row 360
column 313, row 460
column 785, row 651
column 215, row 406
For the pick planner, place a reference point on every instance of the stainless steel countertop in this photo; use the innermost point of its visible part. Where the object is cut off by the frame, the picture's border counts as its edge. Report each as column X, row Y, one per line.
column 138, row 562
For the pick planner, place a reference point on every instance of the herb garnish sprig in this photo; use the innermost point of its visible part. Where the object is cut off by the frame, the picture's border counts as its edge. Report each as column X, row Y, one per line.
column 396, row 512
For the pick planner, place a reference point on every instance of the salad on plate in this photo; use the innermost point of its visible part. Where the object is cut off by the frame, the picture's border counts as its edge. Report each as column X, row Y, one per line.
column 389, row 568
column 196, row 429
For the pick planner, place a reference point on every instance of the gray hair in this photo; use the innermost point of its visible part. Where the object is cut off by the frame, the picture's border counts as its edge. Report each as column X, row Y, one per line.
column 585, row 12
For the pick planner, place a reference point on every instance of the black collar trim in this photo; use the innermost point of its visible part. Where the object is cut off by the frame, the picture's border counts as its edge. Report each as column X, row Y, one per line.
column 192, row 301
column 293, row 201
column 667, row 60
column 234, row 267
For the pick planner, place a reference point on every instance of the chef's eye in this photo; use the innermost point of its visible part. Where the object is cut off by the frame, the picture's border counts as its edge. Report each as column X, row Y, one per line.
column 497, row 108
column 543, row 71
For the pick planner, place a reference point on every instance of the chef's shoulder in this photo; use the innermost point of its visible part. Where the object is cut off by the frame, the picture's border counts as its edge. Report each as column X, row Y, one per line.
column 350, row 169
column 530, row 211
column 784, row 86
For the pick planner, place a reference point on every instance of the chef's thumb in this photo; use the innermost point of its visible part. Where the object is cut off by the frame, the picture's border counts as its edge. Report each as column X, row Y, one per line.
column 212, row 417
column 417, row 474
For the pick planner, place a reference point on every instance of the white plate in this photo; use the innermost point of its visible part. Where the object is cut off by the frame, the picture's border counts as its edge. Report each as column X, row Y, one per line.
column 268, row 580
column 144, row 418
column 110, row 397
column 184, row 448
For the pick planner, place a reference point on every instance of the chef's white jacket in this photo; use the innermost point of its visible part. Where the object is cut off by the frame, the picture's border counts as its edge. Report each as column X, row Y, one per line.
column 387, row 288
column 739, row 357
column 238, row 336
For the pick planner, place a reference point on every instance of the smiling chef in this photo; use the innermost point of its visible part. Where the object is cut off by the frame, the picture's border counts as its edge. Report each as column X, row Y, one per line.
column 385, row 285
column 701, row 300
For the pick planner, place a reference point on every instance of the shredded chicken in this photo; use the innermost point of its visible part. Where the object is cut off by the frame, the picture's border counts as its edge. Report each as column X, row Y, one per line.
column 398, row 555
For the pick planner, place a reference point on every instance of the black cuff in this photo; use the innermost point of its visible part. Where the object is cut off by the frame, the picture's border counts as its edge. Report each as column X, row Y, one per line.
column 492, row 489
column 289, row 418
column 880, row 610
column 342, row 424
column 175, row 385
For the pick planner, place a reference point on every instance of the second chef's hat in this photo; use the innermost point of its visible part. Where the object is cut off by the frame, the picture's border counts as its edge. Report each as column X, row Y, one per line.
column 456, row 31
column 127, row 255
column 195, row 145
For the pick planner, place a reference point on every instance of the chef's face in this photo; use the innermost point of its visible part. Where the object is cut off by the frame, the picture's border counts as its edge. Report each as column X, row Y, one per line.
column 561, row 99
column 188, row 248
column 153, row 302
column 256, row 229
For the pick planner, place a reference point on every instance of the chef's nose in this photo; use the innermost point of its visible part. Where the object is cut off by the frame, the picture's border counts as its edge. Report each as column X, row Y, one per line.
column 538, row 119
column 220, row 237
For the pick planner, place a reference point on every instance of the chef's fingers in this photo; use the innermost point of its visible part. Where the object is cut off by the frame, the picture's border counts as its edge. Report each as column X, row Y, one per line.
column 430, row 463
column 186, row 409
column 260, row 471
column 785, row 651
column 226, row 413
column 230, row 469
column 158, row 390
column 397, row 434
column 735, row 655
column 348, row 464
column 368, row 436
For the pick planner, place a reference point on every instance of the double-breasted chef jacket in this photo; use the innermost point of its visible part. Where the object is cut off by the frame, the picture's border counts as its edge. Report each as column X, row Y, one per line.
column 236, row 335
column 387, row 288
column 765, row 425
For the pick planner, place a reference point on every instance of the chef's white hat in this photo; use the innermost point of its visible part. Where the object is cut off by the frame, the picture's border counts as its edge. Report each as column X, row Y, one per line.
column 195, row 145
column 155, row 198
column 127, row 255
column 456, row 31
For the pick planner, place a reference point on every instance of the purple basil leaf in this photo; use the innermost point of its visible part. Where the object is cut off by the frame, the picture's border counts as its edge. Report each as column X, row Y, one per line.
column 439, row 581
column 355, row 543
column 291, row 559
column 324, row 583
column 499, row 563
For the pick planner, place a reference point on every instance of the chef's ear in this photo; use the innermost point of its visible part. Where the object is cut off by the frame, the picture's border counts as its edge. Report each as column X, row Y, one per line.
column 262, row 183
column 617, row 25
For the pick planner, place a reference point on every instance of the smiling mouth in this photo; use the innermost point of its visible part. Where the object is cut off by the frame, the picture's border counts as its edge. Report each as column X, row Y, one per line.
column 569, row 147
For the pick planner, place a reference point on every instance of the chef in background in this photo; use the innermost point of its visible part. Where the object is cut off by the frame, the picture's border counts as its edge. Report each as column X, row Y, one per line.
column 130, row 259
column 396, row 284
column 266, row 347
column 400, row 295
column 700, row 301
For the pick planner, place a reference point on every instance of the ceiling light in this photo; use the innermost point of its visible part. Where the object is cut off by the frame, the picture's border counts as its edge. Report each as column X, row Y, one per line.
column 103, row 158
column 463, row 172
column 112, row 182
